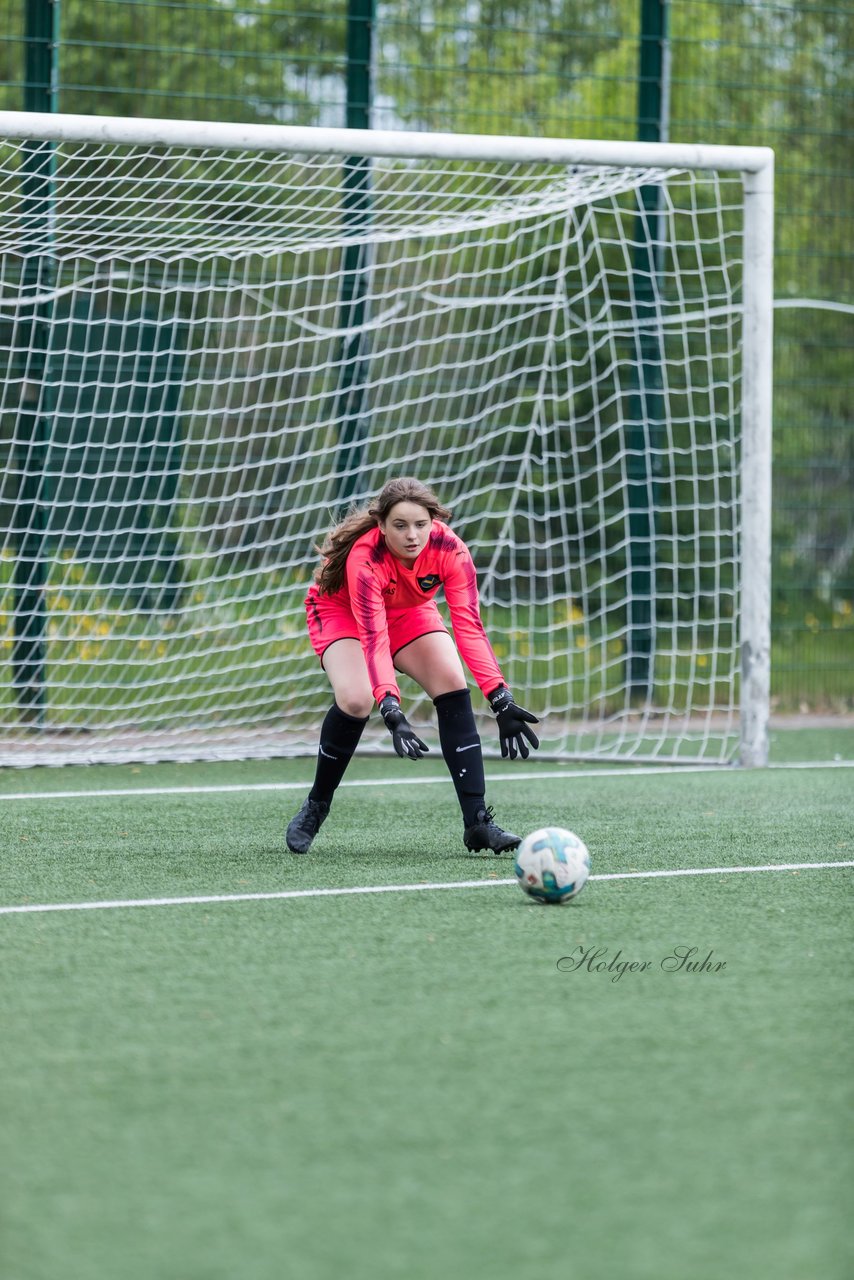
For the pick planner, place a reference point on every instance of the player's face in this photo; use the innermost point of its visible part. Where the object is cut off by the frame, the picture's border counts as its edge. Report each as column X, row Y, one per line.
column 406, row 529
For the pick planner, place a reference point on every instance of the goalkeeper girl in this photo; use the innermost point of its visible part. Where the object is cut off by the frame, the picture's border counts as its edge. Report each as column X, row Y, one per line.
column 371, row 610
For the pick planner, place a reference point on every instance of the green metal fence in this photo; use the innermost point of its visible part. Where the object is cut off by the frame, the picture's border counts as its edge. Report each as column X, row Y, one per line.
column 739, row 71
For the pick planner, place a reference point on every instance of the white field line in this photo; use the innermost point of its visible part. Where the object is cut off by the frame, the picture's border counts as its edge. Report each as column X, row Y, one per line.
column 495, row 778
column 208, row 899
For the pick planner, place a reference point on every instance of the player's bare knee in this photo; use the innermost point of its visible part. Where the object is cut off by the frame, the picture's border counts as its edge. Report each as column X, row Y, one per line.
column 355, row 704
column 449, row 682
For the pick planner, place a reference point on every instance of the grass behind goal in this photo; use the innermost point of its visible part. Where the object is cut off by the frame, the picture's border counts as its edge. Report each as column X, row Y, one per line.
column 405, row 1084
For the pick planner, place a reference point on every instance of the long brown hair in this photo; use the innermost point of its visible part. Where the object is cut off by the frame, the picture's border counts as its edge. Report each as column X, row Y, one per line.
column 359, row 519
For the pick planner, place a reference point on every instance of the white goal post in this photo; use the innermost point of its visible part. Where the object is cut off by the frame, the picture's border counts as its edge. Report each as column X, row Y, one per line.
column 213, row 337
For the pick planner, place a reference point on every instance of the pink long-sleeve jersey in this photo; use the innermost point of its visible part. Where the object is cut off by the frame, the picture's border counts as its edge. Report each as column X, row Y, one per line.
column 377, row 584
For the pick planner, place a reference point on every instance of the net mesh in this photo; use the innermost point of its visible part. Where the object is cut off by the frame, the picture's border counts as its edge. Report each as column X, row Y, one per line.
column 208, row 355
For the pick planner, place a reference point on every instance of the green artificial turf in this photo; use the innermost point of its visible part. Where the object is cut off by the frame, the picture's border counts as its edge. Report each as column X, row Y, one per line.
column 407, row 1084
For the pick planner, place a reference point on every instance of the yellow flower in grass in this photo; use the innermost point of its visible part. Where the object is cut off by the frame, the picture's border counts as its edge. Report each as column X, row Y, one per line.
column 702, row 660
column 581, row 642
column 103, row 628
column 571, row 612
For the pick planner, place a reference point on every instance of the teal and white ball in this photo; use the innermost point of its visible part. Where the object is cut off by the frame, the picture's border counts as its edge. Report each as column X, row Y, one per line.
column 552, row 865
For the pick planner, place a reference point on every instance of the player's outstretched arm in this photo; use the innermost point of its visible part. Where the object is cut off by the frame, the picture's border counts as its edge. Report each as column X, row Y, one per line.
column 513, row 722
column 406, row 742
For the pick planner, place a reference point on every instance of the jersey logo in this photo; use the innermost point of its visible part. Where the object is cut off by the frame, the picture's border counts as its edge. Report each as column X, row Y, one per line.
column 427, row 584
column 391, row 588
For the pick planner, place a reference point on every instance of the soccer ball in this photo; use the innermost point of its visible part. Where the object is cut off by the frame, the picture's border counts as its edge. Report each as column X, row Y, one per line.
column 552, row 865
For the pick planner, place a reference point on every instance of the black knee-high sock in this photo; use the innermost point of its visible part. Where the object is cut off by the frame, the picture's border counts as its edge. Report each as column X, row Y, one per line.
column 461, row 748
column 339, row 737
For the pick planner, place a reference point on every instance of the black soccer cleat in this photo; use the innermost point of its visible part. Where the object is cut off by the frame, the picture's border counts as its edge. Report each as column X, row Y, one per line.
column 485, row 833
column 304, row 827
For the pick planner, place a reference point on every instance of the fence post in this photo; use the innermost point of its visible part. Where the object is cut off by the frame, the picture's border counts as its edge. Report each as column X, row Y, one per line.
column 642, row 462
column 357, row 264
column 29, row 646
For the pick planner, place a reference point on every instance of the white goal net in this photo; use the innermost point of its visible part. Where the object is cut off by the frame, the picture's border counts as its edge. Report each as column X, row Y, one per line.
column 213, row 339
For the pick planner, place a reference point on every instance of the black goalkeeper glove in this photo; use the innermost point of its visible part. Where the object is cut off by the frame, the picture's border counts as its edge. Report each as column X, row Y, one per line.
column 513, row 724
column 406, row 741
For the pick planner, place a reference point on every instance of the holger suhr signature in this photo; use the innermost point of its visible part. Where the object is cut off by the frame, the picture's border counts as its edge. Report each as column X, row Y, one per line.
column 682, row 959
